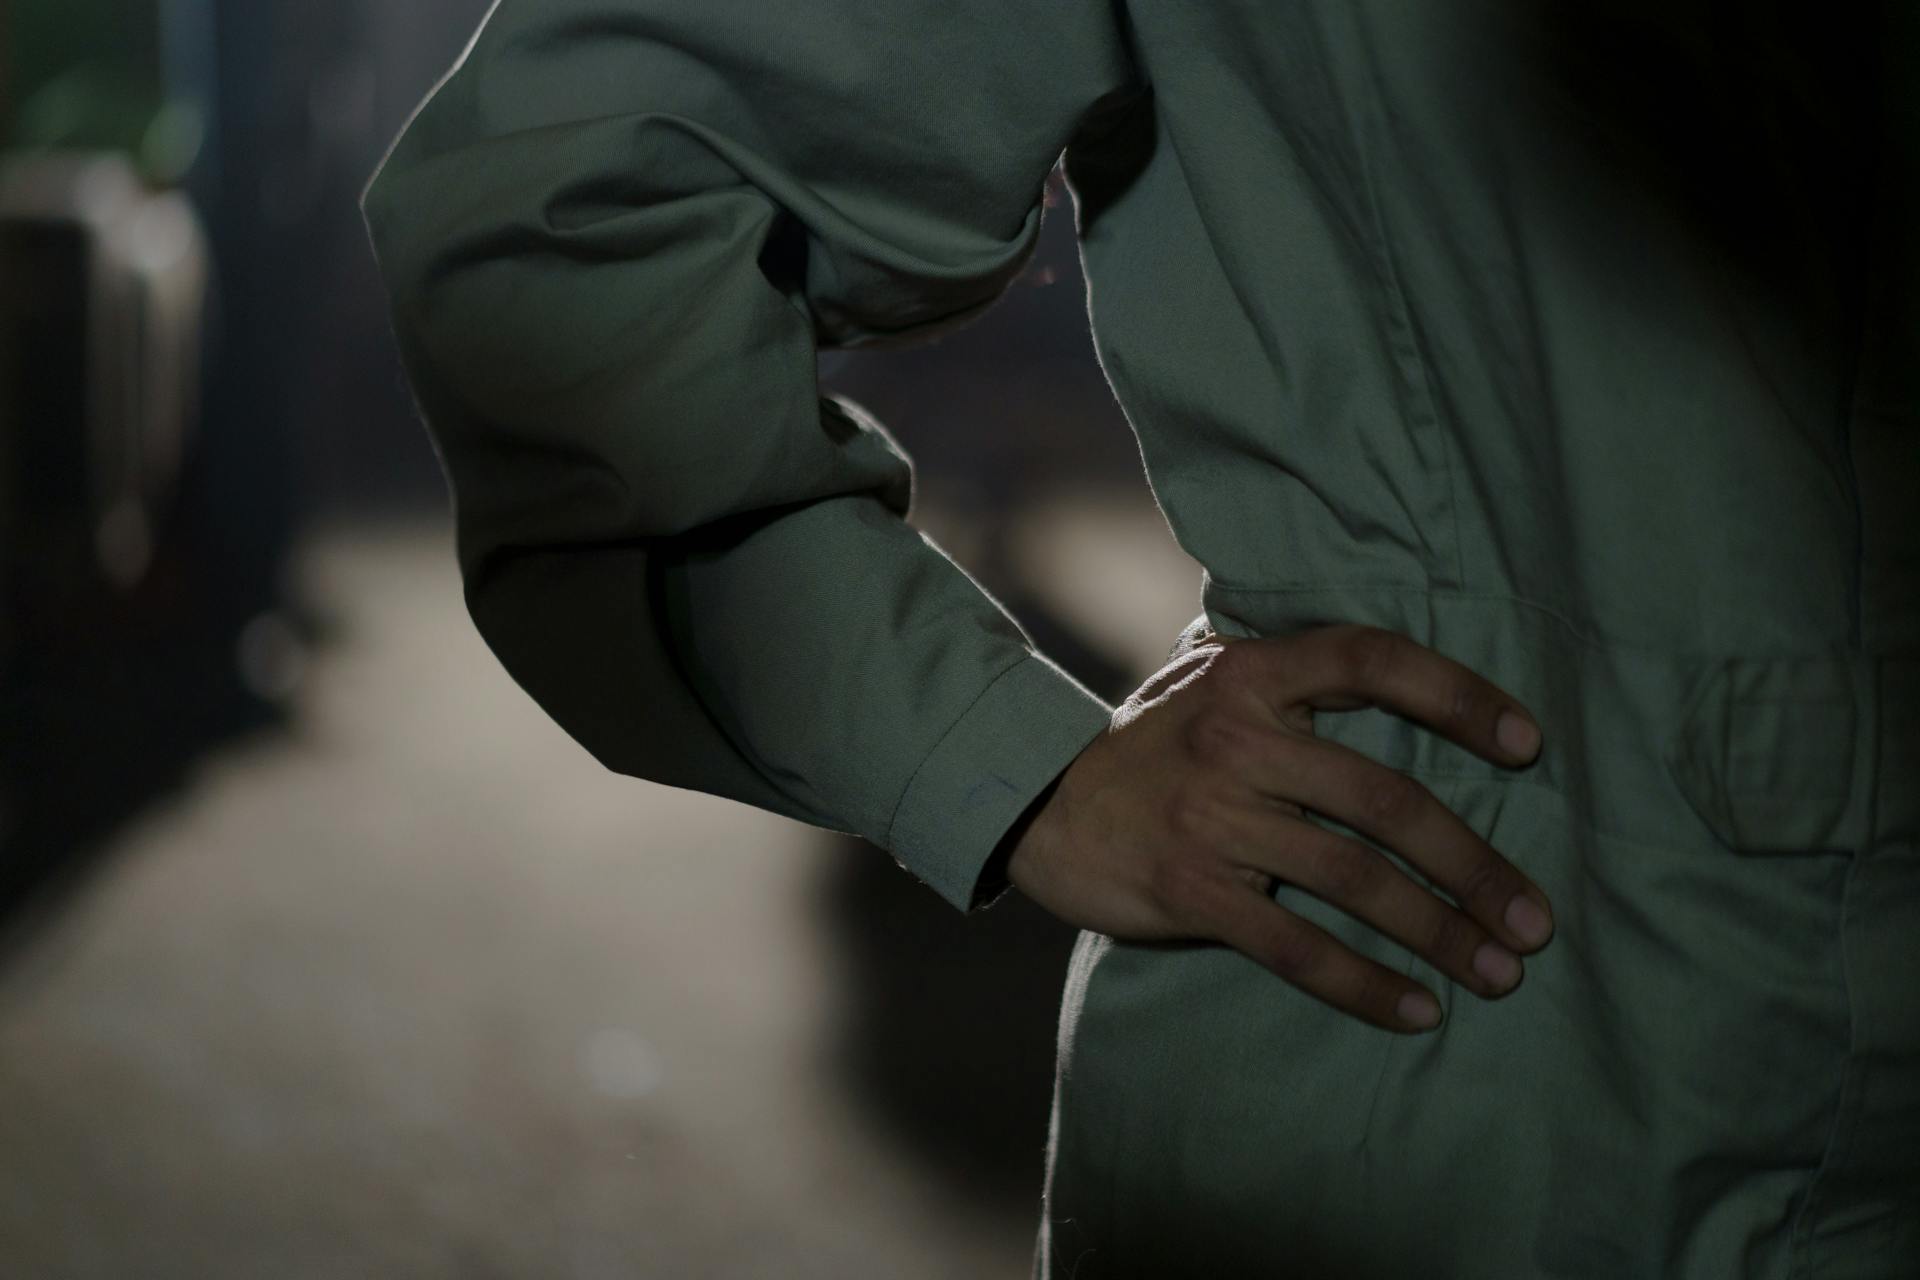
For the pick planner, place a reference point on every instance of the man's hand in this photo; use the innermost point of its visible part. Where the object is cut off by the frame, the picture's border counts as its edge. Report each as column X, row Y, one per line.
column 1174, row 823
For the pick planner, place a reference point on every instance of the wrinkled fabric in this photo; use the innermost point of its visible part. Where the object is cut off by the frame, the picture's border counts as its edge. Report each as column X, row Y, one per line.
column 1577, row 342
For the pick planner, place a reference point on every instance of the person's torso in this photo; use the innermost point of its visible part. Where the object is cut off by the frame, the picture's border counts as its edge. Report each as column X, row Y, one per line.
column 1599, row 310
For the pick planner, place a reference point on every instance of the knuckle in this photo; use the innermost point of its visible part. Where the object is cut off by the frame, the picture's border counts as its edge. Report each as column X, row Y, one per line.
column 1346, row 873
column 1371, row 653
column 1453, row 936
column 1292, row 951
column 1390, row 800
column 1377, row 991
column 1468, row 706
column 1193, row 815
column 1486, row 879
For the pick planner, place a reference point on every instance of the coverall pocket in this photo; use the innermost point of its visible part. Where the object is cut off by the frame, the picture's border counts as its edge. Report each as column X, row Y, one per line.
column 1650, row 1099
column 1766, row 752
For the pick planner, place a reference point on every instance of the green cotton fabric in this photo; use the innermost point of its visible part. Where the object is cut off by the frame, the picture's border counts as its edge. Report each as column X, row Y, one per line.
column 1576, row 342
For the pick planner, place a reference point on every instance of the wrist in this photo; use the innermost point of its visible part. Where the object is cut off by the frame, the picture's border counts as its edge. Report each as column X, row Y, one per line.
column 1015, row 852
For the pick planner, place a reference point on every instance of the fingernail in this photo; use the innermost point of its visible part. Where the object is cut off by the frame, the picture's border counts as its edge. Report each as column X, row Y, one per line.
column 1517, row 735
column 1499, row 966
column 1418, row 1009
column 1526, row 919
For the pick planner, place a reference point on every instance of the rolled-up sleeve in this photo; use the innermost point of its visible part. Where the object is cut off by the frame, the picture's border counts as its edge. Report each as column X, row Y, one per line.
column 614, row 239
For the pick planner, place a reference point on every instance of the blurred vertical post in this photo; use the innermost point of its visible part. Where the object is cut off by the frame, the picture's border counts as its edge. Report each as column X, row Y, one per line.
column 6, row 68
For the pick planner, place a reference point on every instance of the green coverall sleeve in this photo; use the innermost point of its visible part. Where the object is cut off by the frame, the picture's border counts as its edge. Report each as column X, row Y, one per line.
column 614, row 238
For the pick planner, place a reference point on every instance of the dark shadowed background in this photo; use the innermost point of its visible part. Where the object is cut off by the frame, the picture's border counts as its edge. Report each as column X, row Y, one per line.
column 323, row 952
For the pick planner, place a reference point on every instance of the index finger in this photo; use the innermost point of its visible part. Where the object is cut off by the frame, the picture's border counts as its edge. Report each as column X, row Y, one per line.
column 1348, row 665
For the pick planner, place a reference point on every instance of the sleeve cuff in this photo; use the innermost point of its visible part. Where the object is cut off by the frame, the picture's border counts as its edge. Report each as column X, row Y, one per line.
column 1021, row 733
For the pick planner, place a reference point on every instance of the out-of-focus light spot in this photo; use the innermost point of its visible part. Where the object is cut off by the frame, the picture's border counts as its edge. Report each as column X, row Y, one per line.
column 46, row 118
column 104, row 188
column 270, row 656
column 124, row 544
column 161, row 236
column 620, row 1064
column 173, row 141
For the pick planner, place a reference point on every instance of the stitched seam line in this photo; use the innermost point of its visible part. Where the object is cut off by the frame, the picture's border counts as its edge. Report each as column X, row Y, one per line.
column 1847, row 1110
column 1412, row 361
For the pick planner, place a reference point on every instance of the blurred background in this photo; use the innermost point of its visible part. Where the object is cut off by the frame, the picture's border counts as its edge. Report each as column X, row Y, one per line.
column 323, row 952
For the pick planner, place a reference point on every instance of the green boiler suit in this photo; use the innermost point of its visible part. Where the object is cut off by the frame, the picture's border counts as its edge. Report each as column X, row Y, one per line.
column 1577, row 342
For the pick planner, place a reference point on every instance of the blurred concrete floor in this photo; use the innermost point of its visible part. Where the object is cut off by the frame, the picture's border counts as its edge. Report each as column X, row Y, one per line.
column 414, row 988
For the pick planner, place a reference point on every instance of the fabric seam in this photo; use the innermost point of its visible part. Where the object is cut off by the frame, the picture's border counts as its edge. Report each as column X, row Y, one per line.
column 1414, row 366
column 1593, row 642
column 1846, row 1110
